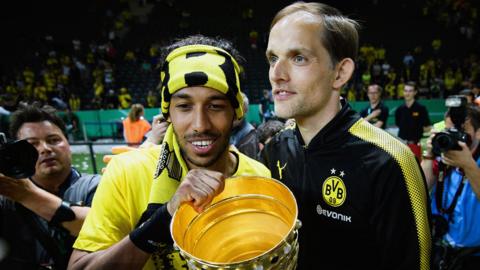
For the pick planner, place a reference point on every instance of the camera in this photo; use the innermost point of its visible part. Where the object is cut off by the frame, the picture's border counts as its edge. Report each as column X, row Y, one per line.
column 448, row 139
column 17, row 158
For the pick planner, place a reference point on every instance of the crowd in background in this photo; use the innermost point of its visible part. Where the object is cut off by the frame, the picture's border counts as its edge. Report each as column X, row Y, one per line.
column 112, row 72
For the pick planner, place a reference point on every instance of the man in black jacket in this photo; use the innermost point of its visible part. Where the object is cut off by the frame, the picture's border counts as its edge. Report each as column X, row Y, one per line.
column 376, row 112
column 361, row 194
column 40, row 216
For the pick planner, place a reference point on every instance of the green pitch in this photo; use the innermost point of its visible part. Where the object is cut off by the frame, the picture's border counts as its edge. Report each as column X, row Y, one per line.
column 83, row 163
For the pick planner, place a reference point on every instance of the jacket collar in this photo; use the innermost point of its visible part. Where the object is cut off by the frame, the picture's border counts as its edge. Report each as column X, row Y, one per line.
column 335, row 133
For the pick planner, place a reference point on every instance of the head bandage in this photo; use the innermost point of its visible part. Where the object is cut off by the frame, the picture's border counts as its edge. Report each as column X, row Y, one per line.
column 201, row 65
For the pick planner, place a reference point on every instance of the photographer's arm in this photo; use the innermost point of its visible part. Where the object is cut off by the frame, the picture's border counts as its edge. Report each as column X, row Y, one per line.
column 463, row 159
column 427, row 164
column 39, row 201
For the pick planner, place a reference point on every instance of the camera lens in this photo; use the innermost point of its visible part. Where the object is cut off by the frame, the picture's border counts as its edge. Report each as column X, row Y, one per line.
column 442, row 142
column 17, row 159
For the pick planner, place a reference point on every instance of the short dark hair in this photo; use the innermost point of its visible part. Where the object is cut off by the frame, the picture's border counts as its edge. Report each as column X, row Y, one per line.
column 412, row 84
column 379, row 88
column 473, row 114
column 34, row 114
column 339, row 35
column 268, row 129
column 467, row 92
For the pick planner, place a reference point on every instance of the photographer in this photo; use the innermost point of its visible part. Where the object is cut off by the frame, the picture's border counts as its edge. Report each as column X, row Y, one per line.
column 451, row 165
column 41, row 215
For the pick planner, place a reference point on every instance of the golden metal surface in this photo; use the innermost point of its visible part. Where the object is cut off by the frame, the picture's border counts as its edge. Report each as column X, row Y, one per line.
column 252, row 216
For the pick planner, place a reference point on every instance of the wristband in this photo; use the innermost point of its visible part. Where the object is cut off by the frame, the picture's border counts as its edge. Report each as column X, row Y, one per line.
column 155, row 231
column 428, row 157
column 63, row 213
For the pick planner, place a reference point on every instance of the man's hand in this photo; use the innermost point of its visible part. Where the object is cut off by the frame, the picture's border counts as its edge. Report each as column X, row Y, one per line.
column 16, row 189
column 159, row 128
column 428, row 145
column 459, row 158
column 198, row 188
column 376, row 113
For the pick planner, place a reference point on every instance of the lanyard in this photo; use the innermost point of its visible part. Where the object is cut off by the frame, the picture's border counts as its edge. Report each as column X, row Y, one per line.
column 439, row 194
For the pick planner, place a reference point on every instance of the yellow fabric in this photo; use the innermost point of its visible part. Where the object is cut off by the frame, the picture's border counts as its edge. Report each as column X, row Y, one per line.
column 128, row 186
column 207, row 66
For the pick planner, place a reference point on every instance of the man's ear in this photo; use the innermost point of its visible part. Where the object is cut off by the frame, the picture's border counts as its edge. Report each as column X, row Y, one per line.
column 343, row 72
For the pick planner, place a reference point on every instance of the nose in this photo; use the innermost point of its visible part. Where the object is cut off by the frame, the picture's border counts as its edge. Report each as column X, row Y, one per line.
column 201, row 120
column 43, row 147
column 278, row 71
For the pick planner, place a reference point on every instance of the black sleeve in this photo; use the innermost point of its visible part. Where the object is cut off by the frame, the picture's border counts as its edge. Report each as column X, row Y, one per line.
column 384, row 115
column 363, row 113
column 397, row 117
column 401, row 216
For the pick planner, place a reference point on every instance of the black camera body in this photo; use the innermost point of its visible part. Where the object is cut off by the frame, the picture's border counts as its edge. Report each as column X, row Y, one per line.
column 17, row 158
column 448, row 139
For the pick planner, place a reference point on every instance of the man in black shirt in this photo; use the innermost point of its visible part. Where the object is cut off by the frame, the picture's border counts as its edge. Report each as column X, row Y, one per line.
column 376, row 112
column 412, row 120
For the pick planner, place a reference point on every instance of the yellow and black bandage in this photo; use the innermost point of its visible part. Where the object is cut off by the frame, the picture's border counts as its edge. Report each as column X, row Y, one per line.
column 201, row 65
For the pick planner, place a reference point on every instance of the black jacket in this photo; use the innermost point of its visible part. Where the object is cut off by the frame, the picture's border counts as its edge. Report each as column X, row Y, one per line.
column 361, row 195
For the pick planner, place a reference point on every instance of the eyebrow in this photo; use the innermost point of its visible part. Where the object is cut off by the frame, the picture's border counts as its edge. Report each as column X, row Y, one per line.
column 292, row 50
column 218, row 96
column 36, row 138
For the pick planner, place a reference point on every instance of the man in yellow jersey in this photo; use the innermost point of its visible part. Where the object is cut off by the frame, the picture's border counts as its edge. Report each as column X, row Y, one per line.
column 128, row 227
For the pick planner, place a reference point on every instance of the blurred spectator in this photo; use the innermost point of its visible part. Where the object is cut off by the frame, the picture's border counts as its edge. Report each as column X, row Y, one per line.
column 408, row 62
column 412, row 120
column 244, row 135
column 376, row 112
column 3, row 111
column 266, row 101
column 111, row 100
column 72, row 125
column 468, row 94
column 146, row 66
column 152, row 99
column 58, row 104
column 267, row 129
column 74, row 102
column 135, row 126
column 130, row 56
column 253, row 39
column 124, row 99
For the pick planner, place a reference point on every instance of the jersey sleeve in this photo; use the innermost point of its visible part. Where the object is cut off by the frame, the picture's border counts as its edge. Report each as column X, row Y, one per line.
column 108, row 220
column 403, row 232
